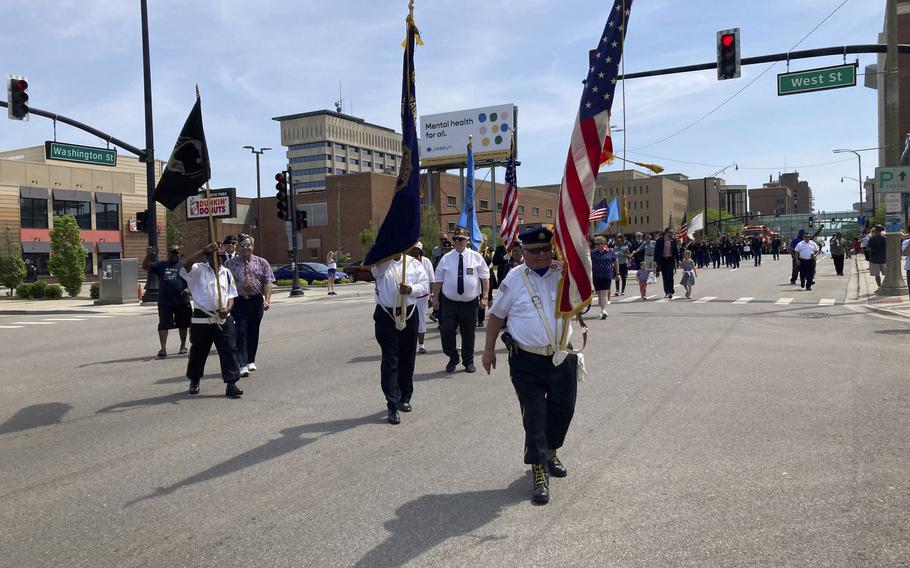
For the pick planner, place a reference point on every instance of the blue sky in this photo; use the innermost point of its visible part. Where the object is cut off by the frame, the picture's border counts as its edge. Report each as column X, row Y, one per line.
column 257, row 60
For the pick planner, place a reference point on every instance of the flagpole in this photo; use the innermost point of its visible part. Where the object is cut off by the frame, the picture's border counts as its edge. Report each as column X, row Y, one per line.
column 208, row 201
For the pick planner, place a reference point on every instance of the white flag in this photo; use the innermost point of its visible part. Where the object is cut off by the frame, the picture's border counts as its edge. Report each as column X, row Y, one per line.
column 696, row 224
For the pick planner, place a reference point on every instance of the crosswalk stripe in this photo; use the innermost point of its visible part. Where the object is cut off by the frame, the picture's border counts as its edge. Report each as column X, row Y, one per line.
column 35, row 322
column 662, row 301
column 783, row 301
column 631, row 299
column 743, row 300
column 105, row 316
column 10, row 326
column 64, row 319
column 705, row 300
column 827, row 302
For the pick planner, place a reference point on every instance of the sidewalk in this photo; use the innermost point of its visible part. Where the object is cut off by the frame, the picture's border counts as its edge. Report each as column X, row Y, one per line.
column 84, row 304
column 865, row 292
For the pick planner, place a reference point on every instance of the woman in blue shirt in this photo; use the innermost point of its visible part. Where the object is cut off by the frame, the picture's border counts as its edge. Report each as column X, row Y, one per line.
column 604, row 267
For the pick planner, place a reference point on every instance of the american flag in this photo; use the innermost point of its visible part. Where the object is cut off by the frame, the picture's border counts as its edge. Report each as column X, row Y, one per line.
column 590, row 140
column 599, row 211
column 683, row 233
column 508, row 219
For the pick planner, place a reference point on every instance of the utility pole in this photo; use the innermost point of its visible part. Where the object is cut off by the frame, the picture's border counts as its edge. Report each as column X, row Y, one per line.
column 151, row 282
column 258, row 218
column 296, row 290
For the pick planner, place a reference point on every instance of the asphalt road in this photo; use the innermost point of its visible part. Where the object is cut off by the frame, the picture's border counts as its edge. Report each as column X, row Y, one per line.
column 709, row 433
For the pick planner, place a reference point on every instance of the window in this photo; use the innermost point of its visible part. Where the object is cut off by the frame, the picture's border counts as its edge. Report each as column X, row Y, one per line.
column 33, row 213
column 353, row 161
column 312, row 171
column 499, row 205
column 340, row 146
column 367, row 152
column 341, row 159
column 39, row 261
column 315, row 158
column 81, row 210
column 521, row 208
column 534, row 211
column 355, row 149
column 549, row 212
column 319, row 184
column 484, row 204
column 309, row 145
column 316, row 214
column 451, row 228
column 102, row 256
column 450, row 200
column 314, row 253
column 88, row 263
column 648, row 217
column 338, row 172
column 107, row 217
column 380, row 155
column 367, row 164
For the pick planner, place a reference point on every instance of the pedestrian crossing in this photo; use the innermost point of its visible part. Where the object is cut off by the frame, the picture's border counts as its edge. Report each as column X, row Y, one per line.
column 52, row 321
column 737, row 301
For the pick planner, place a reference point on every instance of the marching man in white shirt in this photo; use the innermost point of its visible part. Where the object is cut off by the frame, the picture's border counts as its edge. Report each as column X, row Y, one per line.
column 807, row 251
column 396, row 332
column 462, row 276
column 423, row 302
column 212, row 321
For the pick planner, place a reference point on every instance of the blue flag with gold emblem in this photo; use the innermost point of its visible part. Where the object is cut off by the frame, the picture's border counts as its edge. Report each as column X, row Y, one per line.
column 468, row 218
column 400, row 230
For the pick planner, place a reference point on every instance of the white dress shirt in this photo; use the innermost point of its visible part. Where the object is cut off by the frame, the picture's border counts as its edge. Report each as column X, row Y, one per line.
column 904, row 246
column 805, row 249
column 514, row 301
column 475, row 270
column 388, row 277
column 201, row 282
column 428, row 267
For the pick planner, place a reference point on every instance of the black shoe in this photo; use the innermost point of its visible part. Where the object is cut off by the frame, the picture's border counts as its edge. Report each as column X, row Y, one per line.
column 793, row 282
column 232, row 391
column 541, row 491
column 470, row 368
column 194, row 387
column 404, row 406
column 394, row 418
column 808, row 288
column 555, row 466
column 450, row 368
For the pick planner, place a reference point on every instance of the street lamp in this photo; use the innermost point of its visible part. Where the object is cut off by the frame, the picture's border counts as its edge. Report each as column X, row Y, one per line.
column 705, row 180
column 258, row 217
column 859, row 162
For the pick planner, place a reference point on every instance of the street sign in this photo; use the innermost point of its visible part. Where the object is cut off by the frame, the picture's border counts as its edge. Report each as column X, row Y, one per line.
column 892, row 180
column 81, row 154
column 222, row 202
column 820, row 79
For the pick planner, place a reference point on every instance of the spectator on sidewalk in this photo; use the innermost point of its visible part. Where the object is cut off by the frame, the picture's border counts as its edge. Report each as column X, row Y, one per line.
column 174, row 311
column 838, row 247
column 905, row 252
column 877, row 248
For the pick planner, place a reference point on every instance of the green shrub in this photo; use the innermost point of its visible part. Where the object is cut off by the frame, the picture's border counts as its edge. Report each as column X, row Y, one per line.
column 53, row 292
column 38, row 289
column 284, row 282
column 67, row 260
column 345, row 281
column 95, row 291
column 23, row 291
column 12, row 270
column 319, row 283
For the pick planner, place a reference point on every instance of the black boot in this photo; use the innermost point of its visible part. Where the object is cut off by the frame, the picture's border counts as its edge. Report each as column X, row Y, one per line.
column 541, row 492
column 555, row 466
column 232, row 391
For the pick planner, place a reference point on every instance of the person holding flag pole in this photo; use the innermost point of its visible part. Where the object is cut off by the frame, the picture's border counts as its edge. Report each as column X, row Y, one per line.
column 543, row 365
column 211, row 286
column 400, row 279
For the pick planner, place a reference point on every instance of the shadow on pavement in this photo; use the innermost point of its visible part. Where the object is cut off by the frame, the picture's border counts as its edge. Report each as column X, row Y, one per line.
column 127, row 360
column 36, row 416
column 880, row 331
column 366, row 358
column 430, row 376
column 291, row 439
column 173, row 398
column 183, row 379
column 430, row 520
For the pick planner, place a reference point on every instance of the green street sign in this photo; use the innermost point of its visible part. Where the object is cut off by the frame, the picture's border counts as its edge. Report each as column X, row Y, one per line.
column 82, row 154
column 892, row 180
column 820, row 79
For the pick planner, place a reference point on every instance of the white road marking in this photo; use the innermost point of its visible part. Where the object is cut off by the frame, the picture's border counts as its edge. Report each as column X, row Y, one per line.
column 827, row 302
column 35, row 322
column 10, row 326
column 783, row 301
column 64, row 319
column 662, row 301
column 705, row 300
column 743, row 300
column 631, row 299
column 99, row 316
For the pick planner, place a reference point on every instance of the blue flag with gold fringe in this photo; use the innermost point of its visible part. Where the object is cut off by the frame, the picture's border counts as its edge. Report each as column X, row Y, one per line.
column 400, row 230
column 468, row 218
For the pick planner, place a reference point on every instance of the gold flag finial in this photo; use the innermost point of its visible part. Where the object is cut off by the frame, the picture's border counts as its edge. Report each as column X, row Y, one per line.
column 410, row 21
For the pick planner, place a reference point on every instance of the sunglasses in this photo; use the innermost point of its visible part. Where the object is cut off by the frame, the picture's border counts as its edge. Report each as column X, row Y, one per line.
column 538, row 250
column 246, row 245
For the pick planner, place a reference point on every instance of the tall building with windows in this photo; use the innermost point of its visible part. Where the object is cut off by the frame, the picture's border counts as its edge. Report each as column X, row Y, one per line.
column 324, row 143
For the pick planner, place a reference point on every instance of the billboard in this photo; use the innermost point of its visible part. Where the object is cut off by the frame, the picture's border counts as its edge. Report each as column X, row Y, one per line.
column 222, row 202
column 444, row 137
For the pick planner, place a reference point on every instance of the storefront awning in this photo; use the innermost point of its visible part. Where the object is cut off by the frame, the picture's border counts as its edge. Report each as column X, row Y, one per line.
column 110, row 247
column 33, row 192
column 72, row 195
column 36, row 247
column 102, row 197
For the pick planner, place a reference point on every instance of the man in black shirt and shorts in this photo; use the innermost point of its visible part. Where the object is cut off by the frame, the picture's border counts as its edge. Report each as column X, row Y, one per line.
column 174, row 311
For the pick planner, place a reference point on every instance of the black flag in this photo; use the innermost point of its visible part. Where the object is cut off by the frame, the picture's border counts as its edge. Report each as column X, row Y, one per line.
column 188, row 168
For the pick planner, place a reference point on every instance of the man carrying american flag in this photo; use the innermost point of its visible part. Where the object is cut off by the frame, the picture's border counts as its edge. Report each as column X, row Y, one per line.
column 543, row 372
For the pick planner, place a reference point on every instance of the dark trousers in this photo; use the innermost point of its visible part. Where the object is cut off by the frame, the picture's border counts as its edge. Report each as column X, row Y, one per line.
column 547, row 397
column 398, row 354
column 247, row 318
column 775, row 254
column 807, row 271
column 454, row 318
column 758, row 258
column 838, row 264
column 202, row 336
column 794, row 272
column 666, row 266
column 623, row 274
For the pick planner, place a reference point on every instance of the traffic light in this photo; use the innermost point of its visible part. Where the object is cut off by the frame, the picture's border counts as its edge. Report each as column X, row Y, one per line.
column 301, row 220
column 728, row 65
column 282, row 187
column 142, row 221
column 17, row 98
column 811, row 221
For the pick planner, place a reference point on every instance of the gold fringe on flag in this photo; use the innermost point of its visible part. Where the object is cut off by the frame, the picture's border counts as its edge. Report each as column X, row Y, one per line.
column 410, row 20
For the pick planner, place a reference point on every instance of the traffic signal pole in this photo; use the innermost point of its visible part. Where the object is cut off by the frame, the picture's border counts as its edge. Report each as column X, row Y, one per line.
column 151, row 281
column 296, row 290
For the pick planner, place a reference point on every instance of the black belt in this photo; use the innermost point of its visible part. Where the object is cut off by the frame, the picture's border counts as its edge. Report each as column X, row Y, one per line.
column 393, row 311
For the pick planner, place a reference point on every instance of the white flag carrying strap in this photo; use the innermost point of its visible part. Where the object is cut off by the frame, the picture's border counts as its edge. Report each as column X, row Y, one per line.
column 581, row 371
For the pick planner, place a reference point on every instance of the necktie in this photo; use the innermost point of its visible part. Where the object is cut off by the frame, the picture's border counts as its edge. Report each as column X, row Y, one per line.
column 460, row 274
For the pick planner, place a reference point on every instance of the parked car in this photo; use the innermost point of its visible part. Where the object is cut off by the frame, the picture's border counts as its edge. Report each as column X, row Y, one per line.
column 308, row 271
column 357, row 273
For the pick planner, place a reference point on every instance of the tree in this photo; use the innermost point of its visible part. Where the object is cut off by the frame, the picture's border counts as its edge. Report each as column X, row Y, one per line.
column 367, row 236
column 67, row 261
column 429, row 226
column 174, row 236
column 878, row 218
column 12, row 267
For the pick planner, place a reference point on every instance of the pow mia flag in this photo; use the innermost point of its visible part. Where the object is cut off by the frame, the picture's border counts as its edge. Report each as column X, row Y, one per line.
column 188, row 167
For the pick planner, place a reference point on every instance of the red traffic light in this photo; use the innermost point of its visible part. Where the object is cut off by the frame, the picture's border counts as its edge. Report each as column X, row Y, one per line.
column 20, row 84
column 280, row 178
column 727, row 40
